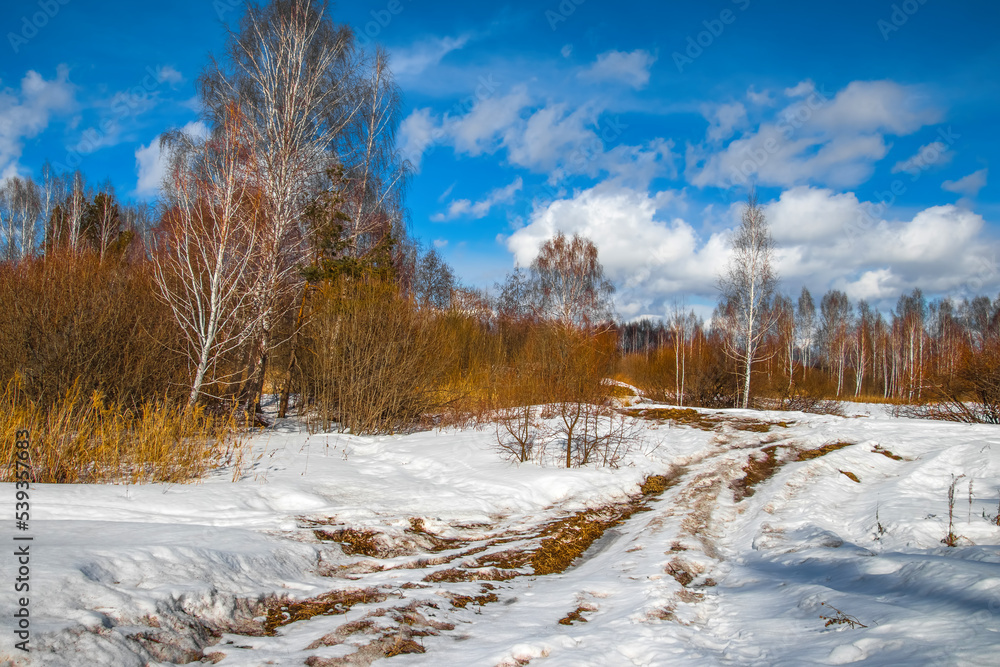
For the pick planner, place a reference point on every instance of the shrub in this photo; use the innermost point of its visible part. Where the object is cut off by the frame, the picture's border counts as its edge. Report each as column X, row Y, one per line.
column 73, row 320
column 373, row 362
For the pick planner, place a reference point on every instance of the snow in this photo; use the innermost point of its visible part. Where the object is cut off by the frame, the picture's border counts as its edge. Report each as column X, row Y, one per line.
column 702, row 578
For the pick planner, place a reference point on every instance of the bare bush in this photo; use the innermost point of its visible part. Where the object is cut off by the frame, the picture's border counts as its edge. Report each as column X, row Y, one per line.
column 970, row 394
column 373, row 364
column 65, row 322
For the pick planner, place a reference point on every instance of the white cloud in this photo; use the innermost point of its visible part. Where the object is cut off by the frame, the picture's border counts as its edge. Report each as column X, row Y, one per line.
column 648, row 253
column 801, row 89
column 631, row 68
column 26, row 112
column 878, row 106
column 414, row 60
column 416, row 133
column 816, row 138
column 763, row 98
column 151, row 164
column 465, row 208
column 555, row 139
column 724, row 119
column 968, row 185
column 166, row 73
column 440, row 243
column 566, row 51
column 480, row 130
column 823, row 239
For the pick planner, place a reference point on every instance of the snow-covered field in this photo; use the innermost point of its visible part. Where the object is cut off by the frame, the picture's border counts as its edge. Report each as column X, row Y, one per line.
column 162, row 574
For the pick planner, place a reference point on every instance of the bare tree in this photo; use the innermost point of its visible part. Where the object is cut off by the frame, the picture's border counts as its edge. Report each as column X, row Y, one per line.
column 289, row 73
column 204, row 266
column 747, row 287
column 785, row 332
column 374, row 175
column 682, row 327
column 20, row 208
column 805, row 327
column 835, row 332
column 567, row 283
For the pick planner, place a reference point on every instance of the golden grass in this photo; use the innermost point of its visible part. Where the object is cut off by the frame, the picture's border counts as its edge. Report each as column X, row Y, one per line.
column 809, row 454
column 885, row 452
column 851, row 476
column 353, row 542
column 568, row 538
column 86, row 439
column 283, row 612
column 703, row 421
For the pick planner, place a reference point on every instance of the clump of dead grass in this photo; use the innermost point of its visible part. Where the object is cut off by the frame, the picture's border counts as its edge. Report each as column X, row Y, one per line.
column 88, row 439
column 576, row 616
column 704, row 421
column 283, row 612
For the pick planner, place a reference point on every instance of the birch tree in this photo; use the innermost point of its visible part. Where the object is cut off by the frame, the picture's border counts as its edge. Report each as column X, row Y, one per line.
column 567, row 283
column 20, row 208
column 204, row 265
column 747, row 287
column 288, row 71
column 805, row 327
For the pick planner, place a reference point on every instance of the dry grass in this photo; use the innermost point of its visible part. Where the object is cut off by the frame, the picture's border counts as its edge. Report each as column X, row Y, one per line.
column 455, row 574
column 809, row 454
column 703, row 421
column 567, row 539
column 761, row 469
column 885, row 452
column 354, row 542
column 851, row 476
column 86, row 439
column 283, row 612
column 576, row 616
column 485, row 597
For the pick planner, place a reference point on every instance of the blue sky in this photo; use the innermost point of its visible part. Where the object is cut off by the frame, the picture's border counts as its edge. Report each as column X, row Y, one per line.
column 868, row 127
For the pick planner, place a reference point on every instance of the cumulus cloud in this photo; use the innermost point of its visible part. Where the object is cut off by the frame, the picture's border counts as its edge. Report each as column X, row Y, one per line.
column 650, row 253
column 26, row 112
column 151, row 164
column 464, row 208
column 967, row 185
column 631, row 68
column 823, row 240
column 817, row 137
